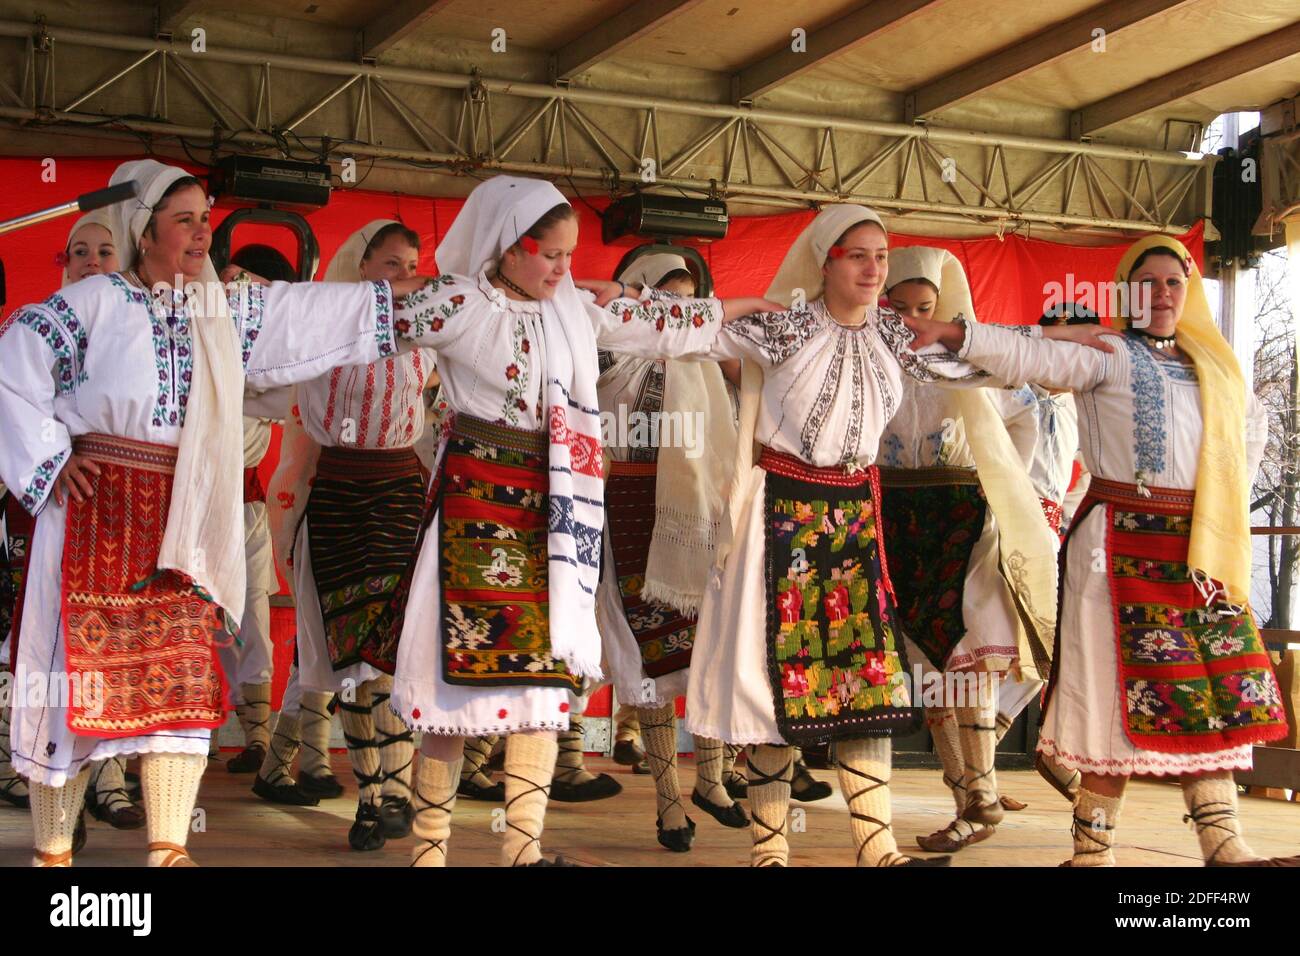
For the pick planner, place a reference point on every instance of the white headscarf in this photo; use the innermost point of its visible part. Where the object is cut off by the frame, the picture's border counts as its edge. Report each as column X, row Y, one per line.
column 495, row 216
column 1025, row 542
column 205, row 523
column 650, row 270
column 346, row 264
column 96, row 217
column 690, row 493
column 802, row 266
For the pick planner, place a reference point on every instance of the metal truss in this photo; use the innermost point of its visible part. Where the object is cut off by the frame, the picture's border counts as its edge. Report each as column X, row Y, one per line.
column 226, row 100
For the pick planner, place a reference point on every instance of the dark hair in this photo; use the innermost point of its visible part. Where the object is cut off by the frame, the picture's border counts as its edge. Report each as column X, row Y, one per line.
column 675, row 275
column 265, row 261
column 553, row 216
column 1069, row 313
column 1161, row 251
column 921, row 279
column 864, row 222
column 185, row 182
column 392, row 229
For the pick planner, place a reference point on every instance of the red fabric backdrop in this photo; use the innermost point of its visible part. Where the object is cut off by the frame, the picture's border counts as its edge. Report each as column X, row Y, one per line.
column 1008, row 276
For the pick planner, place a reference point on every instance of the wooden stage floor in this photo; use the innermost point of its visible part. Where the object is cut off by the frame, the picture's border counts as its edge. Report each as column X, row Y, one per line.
column 243, row 830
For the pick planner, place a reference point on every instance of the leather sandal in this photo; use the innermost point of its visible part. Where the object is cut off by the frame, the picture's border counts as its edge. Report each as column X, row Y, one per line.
column 806, row 788
column 177, row 855
column 288, row 794
column 948, row 840
column 600, row 787
column 248, row 760
column 1011, row 803
column 366, row 833
column 53, row 859
column 979, row 812
column 324, row 787
column 470, row 790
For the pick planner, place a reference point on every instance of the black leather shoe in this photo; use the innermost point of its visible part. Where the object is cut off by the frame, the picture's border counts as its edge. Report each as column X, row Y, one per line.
column 679, row 840
column 367, row 832
column 733, row 816
column 470, row 790
column 598, row 788
column 558, row 861
column 289, row 794
column 396, row 814
column 805, row 788
column 737, row 787
column 324, row 787
column 628, row 754
column 248, row 760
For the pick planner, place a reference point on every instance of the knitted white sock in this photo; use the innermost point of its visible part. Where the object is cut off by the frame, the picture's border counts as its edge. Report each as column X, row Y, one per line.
column 277, row 767
column 314, row 721
column 730, row 752
column 977, row 729
column 864, row 772
column 530, row 763
column 770, row 767
column 569, row 765
column 434, row 800
column 627, row 722
column 478, row 750
column 171, row 786
column 942, row 723
column 1212, row 810
column 710, row 755
column 659, row 738
column 1093, row 829
column 393, row 739
column 359, row 732
column 55, row 812
column 254, row 714
column 108, row 777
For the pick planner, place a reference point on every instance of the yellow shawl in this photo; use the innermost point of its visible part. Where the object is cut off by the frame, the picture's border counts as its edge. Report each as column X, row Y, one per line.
column 1219, row 552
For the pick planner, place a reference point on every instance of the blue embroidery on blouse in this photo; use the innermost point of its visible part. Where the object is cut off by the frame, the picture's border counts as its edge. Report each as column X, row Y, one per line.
column 56, row 322
column 173, row 358
column 384, row 320
column 254, row 312
column 45, row 472
column 1148, row 389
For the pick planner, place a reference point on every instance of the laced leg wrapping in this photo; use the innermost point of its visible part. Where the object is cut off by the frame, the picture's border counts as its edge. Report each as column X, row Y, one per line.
column 978, row 731
column 314, row 722
column 433, row 800
column 254, row 714
column 393, row 740
column 363, row 752
column 1093, row 828
column 659, row 737
column 478, row 751
column 277, row 766
column 729, row 772
column 1212, row 812
column 942, row 724
column 569, row 765
column 770, row 768
column 108, row 777
column 530, row 764
column 864, row 774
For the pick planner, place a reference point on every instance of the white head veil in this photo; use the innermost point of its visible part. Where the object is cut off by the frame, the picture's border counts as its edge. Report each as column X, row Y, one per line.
column 495, row 216
column 802, row 266
column 96, row 217
column 650, row 270
column 205, row 524
column 346, row 264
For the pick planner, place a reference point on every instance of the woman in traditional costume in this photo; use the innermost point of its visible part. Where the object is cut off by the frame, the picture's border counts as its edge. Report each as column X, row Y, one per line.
column 353, row 476
column 1159, row 669
column 121, row 399
column 671, row 447
column 952, row 547
column 498, row 618
column 797, row 640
